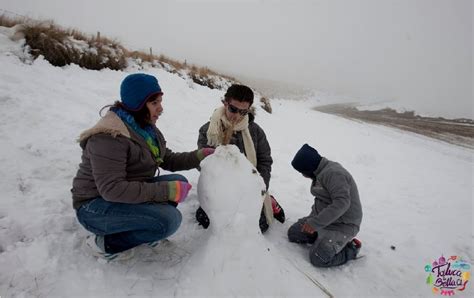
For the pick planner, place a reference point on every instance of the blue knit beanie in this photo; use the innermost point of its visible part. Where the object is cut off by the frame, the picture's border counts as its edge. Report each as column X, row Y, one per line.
column 306, row 160
column 136, row 89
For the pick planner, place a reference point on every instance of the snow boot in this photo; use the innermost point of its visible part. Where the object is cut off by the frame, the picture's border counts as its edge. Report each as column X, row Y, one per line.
column 354, row 245
column 94, row 245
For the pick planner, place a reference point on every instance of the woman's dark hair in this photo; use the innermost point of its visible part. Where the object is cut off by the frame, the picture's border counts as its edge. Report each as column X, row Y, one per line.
column 240, row 93
column 141, row 116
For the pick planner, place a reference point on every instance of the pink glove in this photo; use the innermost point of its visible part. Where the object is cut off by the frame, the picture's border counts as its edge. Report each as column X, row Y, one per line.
column 178, row 191
column 278, row 212
column 275, row 206
column 202, row 153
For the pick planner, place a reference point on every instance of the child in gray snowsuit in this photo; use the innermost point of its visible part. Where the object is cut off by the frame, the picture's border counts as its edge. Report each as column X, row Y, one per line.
column 336, row 214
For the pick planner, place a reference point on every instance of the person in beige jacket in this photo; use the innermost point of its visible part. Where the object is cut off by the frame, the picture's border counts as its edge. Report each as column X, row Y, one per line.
column 117, row 192
column 233, row 123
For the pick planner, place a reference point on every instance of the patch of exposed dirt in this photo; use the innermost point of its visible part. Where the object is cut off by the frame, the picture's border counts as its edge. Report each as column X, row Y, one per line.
column 455, row 131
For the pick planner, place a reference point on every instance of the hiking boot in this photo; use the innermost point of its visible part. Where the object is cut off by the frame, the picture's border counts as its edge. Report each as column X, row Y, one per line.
column 95, row 246
column 356, row 243
column 161, row 245
column 355, row 246
column 153, row 244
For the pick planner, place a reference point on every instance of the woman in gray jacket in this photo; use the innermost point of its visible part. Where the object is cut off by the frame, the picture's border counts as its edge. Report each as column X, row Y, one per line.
column 116, row 192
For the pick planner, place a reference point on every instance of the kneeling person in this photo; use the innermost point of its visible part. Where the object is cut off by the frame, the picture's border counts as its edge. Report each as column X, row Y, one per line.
column 336, row 215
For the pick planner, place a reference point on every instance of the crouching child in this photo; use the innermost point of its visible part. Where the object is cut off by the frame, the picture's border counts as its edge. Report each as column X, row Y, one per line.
column 336, row 215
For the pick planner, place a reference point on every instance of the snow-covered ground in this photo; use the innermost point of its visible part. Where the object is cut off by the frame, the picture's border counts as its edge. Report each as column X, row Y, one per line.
column 416, row 193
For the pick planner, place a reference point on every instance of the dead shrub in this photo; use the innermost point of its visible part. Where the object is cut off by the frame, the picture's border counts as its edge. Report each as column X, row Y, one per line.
column 142, row 56
column 62, row 47
column 176, row 64
column 265, row 104
column 6, row 21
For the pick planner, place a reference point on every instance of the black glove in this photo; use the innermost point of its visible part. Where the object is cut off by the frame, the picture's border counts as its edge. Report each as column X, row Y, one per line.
column 296, row 235
column 263, row 222
column 202, row 218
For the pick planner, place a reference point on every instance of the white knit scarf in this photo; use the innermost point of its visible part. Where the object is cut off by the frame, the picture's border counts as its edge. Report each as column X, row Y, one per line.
column 215, row 133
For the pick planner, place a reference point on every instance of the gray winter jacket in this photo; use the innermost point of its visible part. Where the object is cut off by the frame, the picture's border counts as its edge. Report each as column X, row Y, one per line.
column 336, row 204
column 262, row 148
column 117, row 164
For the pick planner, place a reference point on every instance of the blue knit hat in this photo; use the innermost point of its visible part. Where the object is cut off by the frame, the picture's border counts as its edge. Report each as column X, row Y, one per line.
column 136, row 89
column 306, row 160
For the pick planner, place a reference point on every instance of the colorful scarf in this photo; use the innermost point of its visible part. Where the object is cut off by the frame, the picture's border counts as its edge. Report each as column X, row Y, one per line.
column 147, row 133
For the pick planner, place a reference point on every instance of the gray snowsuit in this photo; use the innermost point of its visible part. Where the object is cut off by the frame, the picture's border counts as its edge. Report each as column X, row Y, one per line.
column 336, row 216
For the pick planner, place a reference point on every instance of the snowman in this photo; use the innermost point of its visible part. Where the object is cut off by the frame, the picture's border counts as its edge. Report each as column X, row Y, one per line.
column 235, row 259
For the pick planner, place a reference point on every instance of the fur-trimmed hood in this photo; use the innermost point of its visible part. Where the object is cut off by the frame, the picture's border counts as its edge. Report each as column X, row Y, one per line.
column 110, row 124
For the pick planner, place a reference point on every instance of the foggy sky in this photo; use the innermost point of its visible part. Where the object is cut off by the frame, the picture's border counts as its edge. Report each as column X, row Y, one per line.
column 416, row 51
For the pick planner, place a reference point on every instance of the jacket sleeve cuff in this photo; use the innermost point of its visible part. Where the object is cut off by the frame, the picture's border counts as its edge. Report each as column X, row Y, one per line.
column 313, row 222
column 161, row 192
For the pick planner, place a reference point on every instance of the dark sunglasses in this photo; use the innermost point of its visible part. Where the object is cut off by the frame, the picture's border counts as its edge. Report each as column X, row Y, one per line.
column 234, row 110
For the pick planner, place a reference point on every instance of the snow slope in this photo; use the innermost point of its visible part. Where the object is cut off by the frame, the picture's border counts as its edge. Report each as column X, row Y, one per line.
column 416, row 193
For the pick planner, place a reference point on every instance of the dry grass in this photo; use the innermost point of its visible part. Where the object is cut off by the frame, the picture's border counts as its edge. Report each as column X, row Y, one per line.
column 174, row 63
column 140, row 56
column 65, row 46
column 206, row 77
column 62, row 47
column 6, row 21
column 200, row 75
